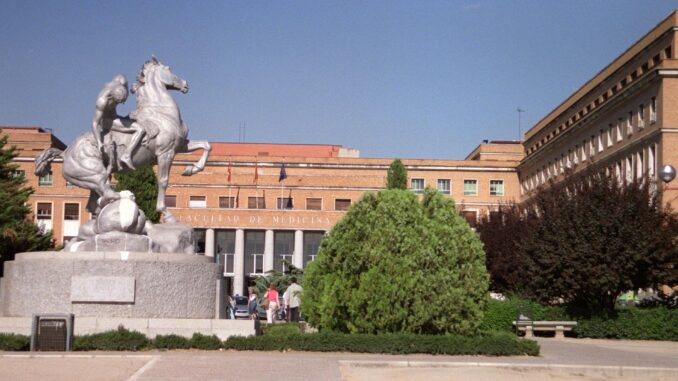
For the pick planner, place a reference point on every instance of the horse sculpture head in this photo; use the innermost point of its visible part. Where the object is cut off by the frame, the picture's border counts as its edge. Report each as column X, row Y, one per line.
column 156, row 70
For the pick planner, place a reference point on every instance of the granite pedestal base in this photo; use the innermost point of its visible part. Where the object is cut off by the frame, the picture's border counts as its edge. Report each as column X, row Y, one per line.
column 110, row 284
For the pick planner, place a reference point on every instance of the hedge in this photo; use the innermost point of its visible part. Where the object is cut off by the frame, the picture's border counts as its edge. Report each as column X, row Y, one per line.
column 492, row 344
column 633, row 323
column 121, row 339
column 630, row 323
column 200, row 341
column 499, row 315
column 170, row 342
column 281, row 329
column 124, row 340
column 12, row 342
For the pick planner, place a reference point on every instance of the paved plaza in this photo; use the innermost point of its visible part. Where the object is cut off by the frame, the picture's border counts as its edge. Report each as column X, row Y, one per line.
column 569, row 359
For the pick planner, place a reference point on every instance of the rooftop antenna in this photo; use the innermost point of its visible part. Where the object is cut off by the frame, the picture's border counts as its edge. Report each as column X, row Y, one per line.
column 241, row 132
column 520, row 111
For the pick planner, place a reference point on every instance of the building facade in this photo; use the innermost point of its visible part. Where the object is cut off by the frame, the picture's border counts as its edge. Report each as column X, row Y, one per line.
column 624, row 120
column 249, row 219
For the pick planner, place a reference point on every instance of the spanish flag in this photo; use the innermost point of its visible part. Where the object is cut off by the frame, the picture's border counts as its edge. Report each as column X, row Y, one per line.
column 229, row 171
column 256, row 171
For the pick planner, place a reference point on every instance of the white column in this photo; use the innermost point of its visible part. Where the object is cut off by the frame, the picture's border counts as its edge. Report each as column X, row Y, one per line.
column 298, row 255
column 268, row 250
column 239, row 263
column 209, row 243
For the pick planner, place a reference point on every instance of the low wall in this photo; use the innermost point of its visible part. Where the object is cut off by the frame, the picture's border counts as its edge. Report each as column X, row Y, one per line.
column 222, row 328
column 111, row 284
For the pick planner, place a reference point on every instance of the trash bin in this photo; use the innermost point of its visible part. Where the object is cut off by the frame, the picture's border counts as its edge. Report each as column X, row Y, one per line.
column 52, row 332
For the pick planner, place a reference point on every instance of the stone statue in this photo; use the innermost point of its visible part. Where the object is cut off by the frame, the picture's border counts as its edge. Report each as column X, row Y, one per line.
column 106, row 118
column 153, row 134
column 114, row 267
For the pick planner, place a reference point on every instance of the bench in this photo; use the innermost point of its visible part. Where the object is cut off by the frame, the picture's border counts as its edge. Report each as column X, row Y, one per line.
column 529, row 326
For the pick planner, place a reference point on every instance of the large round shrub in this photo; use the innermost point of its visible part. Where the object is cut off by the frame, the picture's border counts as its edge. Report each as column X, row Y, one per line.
column 398, row 264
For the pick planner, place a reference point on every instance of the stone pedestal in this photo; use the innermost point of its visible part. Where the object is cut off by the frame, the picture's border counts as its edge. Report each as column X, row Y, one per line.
column 110, row 284
column 112, row 241
column 172, row 238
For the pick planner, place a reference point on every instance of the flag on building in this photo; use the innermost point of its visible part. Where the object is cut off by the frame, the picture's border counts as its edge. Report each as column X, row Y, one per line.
column 283, row 174
column 256, row 171
column 229, row 171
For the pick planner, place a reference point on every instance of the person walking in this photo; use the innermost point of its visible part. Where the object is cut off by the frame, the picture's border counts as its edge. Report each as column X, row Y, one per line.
column 253, row 303
column 231, row 307
column 272, row 296
column 293, row 299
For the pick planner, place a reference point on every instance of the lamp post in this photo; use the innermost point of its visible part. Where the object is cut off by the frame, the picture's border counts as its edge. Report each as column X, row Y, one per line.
column 667, row 173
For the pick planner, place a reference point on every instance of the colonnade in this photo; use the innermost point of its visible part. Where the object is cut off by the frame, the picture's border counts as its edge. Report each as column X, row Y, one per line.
column 239, row 257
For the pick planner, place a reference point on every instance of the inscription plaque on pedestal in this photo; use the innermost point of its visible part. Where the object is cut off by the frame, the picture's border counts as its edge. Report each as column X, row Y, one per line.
column 102, row 289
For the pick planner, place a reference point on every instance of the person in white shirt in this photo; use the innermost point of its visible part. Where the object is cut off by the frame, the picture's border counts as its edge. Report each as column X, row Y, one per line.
column 292, row 298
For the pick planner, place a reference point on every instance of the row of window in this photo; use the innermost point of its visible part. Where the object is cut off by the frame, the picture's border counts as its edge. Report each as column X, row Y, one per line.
column 637, row 165
column 282, row 203
column 417, row 185
column 71, row 211
column 614, row 89
column 596, row 144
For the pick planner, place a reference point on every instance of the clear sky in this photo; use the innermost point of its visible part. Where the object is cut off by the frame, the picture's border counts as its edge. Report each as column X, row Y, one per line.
column 409, row 79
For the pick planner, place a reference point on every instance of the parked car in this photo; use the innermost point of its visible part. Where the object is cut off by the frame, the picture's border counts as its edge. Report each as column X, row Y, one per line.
column 241, row 307
column 279, row 316
column 261, row 313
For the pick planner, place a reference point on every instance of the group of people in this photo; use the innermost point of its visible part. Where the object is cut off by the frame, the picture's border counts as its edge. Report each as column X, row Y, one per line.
column 270, row 302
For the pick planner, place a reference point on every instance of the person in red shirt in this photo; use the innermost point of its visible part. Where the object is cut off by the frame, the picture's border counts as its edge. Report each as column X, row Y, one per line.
column 272, row 296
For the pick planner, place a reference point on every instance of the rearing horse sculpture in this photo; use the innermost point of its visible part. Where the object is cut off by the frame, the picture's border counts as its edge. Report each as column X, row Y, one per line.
column 166, row 135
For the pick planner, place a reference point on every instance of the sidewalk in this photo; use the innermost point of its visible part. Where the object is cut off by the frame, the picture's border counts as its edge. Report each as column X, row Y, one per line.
column 569, row 359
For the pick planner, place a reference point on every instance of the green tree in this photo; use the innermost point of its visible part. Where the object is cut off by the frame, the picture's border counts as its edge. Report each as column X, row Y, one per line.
column 143, row 183
column 281, row 279
column 17, row 234
column 397, row 175
column 398, row 264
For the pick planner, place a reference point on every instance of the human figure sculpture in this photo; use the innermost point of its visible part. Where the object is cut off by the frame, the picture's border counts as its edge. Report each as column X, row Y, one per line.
column 106, row 118
column 165, row 134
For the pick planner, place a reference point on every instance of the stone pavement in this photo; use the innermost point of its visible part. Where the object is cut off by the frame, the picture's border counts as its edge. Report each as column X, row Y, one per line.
column 569, row 359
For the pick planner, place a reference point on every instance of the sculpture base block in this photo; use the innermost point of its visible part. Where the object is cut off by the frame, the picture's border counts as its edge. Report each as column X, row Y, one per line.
column 110, row 284
column 110, row 242
column 171, row 238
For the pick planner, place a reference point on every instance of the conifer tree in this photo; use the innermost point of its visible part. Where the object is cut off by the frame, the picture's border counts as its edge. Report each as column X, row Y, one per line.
column 397, row 176
column 396, row 263
column 17, row 234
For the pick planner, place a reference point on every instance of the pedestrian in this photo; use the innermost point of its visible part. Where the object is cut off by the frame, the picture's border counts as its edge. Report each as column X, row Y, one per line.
column 231, row 307
column 285, row 307
column 293, row 299
column 252, row 304
column 272, row 296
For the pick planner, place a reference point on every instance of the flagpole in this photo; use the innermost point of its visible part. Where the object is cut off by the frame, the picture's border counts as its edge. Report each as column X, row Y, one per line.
column 281, row 180
column 256, row 179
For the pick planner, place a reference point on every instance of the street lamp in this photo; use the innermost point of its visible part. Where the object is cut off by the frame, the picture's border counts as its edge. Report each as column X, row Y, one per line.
column 667, row 173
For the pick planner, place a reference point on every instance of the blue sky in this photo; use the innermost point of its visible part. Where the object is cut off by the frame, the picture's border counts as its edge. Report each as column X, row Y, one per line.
column 409, row 79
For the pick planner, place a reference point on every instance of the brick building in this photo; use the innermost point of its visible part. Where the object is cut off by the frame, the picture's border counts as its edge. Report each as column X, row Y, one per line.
column 251, row 223
column 624, row 120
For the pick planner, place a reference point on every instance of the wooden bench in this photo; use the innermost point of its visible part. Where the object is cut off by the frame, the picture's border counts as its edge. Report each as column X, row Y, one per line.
column 529, row 326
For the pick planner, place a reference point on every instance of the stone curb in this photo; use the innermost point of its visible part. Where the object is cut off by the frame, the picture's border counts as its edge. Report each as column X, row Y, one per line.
column 607, row 370
column 74, row 356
